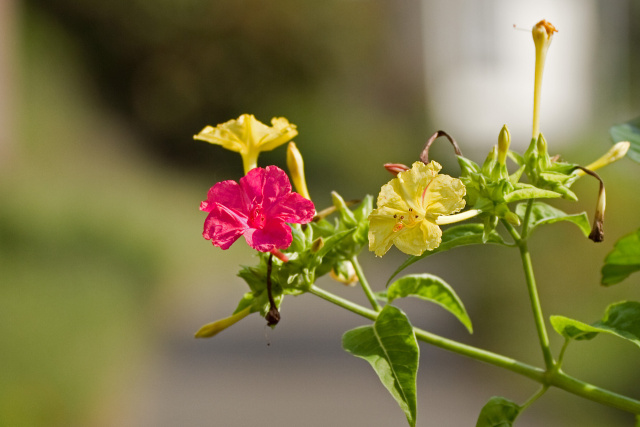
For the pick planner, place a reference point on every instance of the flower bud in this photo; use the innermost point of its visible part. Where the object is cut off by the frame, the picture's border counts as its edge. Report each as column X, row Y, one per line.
column 295, row 164
column 211, row 329
column 345, row 273
column 597, row 232
column 396, row 168
column 317, row 244
column 614, row 154
column 504, row 140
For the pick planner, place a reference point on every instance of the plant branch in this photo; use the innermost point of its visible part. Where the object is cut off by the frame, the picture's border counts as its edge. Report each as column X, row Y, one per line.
column 365, row 284
column 554, row 378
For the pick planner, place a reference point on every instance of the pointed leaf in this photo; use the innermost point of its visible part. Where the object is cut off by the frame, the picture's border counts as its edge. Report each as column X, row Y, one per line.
column 623, row 260
column 542, row 213
column 430, row 288
column 527, row 191
column 460, row 235
column 621, row 319
column 390, row 346
column 498, row 412
column 629, row 131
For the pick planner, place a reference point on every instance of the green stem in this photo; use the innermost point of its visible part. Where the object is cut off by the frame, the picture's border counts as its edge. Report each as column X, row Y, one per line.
column 554, row 378
column 533, row 398
column 365, row 284
column 536, row 308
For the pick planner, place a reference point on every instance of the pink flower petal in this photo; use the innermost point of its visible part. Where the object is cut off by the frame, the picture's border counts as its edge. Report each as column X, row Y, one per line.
column 227, row 193
column 293, row 208
column 275, row 235
column 223, row 227
column 258, row 207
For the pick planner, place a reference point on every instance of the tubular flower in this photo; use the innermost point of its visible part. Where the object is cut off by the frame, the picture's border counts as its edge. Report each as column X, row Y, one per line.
column 248, row 136
column 258, row 208
column 409, row 206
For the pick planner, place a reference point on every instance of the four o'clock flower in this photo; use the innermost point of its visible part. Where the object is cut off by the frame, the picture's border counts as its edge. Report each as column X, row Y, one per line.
column 409, row 208
column 249, row 137
column 258, row 208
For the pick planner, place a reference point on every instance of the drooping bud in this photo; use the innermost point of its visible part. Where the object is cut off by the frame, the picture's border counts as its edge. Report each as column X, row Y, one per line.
column 597, row 231
column 396, row 168
column 424, row 156
column 504, row 140
column 295, row 164
column 614, row 154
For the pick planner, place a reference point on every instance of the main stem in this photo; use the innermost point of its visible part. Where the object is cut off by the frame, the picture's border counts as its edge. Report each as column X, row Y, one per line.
column 555, row 378
column 536, row 308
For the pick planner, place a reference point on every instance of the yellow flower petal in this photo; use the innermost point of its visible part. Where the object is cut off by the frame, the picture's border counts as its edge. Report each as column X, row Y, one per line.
column 408, row 206
column 248, row 136
column 381, row 234
column 444, row 196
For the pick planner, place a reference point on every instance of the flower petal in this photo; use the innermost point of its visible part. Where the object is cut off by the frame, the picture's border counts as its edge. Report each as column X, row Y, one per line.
column 227, row 193
column 381, row 234
column 444, row 196
column 293, row 208
column 274, row 235
column 415, row 240
column 281, row 132
column 223, row 226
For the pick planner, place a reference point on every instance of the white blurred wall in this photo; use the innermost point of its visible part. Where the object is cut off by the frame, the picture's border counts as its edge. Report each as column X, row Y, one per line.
column 479, row 69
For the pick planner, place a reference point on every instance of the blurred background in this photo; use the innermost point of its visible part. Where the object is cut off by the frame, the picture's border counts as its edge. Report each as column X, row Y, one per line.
column 104, row 275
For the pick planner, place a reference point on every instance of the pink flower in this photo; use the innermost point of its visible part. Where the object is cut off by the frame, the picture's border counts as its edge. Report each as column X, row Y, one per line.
column 258, row 208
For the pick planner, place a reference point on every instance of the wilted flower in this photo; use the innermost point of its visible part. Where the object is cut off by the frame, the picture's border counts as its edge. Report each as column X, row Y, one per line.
column 258, row 208
column 248, row 136
column 409, row 206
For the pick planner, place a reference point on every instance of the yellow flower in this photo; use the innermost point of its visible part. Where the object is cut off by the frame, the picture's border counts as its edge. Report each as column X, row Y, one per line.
column 409, row 207
column 248, row 136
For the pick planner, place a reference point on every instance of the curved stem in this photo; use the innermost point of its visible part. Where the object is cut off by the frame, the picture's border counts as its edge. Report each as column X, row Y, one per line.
column 365, row 284
column 535, row 397
column 554, row 378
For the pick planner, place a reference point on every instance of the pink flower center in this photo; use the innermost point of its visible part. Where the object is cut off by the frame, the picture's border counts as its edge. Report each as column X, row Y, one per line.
column 257, row 218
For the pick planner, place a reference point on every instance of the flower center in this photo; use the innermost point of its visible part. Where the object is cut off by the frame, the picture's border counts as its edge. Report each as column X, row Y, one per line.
column 406, row 219
column 257, row 218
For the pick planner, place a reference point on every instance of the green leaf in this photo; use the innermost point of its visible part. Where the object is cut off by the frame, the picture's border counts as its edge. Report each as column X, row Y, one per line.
column 621, row 319
column 527, row 191
column 429, row 288
column 460, row 235
column 629, row 131
column 498, row 412
column 390, row 346
column 542, row 213
column 623, row 260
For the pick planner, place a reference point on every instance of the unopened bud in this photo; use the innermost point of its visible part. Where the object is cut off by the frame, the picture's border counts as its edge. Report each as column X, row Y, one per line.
column 396, row 168
column 345, row 273
column 316, row 245
column 296, row 169
column 614, row 154
column 211, row 329
column 504, row 140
